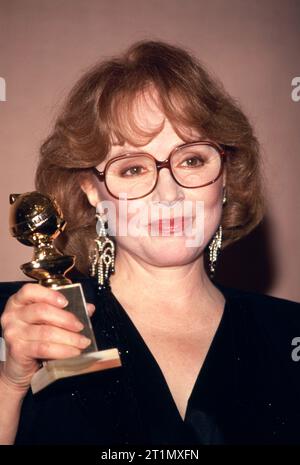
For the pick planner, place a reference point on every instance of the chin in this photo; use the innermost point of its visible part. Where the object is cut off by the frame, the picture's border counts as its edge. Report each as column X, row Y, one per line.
column 172, row 253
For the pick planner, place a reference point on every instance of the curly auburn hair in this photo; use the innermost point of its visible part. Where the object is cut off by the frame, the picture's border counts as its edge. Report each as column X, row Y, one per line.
column 99, row 109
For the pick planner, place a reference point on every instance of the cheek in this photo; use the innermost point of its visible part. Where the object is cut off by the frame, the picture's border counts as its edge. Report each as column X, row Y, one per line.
column 212, row 212
column 120, row 213
column 131, row 218
column 207, row 209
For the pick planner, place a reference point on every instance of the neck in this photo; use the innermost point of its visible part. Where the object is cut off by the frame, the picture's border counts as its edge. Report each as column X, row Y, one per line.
column 159, row 296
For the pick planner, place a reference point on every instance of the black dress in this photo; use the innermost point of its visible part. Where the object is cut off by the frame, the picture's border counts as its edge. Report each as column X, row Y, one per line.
column 247, row 391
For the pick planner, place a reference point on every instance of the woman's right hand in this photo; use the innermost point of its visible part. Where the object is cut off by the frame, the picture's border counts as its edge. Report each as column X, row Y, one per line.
column 35, row 327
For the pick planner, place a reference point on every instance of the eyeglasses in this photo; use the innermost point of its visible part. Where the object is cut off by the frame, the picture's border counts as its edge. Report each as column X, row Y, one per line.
column 192, row 165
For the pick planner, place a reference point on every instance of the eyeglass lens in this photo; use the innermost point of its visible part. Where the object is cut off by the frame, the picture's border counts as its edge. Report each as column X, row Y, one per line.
column 136, row 175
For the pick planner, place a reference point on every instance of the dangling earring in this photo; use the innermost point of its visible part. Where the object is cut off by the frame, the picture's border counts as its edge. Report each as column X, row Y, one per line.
column 216, row 243
column 214, row 250
column 102, row 261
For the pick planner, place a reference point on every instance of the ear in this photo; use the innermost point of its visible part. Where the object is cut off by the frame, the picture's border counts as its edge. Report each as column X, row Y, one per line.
column 89, row 188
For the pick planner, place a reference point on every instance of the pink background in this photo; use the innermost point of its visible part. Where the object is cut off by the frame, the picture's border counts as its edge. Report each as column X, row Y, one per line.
column 253, row 47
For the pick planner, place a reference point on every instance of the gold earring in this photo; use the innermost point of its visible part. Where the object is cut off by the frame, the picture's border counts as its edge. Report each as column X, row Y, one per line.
column 102, row 260
column 214, row 250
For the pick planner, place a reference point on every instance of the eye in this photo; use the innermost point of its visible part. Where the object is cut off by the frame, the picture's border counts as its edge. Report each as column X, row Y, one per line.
column 132, row 171
column 193, row 161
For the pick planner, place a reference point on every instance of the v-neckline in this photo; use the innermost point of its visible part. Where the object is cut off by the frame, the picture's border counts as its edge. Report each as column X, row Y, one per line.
column 154, row 362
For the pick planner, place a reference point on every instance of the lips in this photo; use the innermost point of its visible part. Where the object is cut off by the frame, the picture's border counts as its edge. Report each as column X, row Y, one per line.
column 168, row 225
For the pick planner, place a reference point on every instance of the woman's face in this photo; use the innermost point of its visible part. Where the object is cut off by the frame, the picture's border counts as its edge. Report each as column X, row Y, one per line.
column 135, row 223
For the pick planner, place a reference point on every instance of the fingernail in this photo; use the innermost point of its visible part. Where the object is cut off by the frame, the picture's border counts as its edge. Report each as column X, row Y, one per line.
column 62, row 301
column 79, row 325
column 84, row 341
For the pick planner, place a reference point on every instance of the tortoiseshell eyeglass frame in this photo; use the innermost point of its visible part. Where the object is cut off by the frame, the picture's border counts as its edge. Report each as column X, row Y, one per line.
column 101, row 175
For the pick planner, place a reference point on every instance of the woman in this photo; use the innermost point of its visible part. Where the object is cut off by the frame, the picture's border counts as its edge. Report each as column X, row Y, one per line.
column 201, row 363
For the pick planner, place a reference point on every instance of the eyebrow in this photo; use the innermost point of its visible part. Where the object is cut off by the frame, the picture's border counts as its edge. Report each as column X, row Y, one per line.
column 121, row 152
column 133, row 151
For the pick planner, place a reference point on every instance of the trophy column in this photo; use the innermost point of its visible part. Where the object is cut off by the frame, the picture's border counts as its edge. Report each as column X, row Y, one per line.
column 36, row 220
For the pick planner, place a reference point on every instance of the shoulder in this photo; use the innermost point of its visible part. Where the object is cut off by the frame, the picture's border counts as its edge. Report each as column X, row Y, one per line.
column 267, row 324
column 262, row 306
column 276, row 316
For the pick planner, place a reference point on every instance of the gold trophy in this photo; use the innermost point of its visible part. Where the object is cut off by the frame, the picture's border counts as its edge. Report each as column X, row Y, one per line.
column 36, row 220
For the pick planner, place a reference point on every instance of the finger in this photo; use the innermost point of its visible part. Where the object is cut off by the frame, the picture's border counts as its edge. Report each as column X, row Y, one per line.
column 49, row 351
column 31, row 292
column 52, row 334
column 42, row 313
column 90, row 309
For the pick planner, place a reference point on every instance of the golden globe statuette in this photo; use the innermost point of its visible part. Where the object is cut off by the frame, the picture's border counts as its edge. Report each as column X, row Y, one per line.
column 36, row 220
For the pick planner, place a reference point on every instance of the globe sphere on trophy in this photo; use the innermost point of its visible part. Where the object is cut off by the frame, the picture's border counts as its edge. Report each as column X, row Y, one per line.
column 36, row 220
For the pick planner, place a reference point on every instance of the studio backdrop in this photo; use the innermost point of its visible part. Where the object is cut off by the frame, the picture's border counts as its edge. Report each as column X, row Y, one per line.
column 251, row 46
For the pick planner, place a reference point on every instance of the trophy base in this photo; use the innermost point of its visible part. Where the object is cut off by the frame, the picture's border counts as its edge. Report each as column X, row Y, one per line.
column 64, row 368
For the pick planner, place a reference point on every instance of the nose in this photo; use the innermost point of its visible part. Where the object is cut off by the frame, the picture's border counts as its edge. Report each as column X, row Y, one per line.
column 167, row 189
